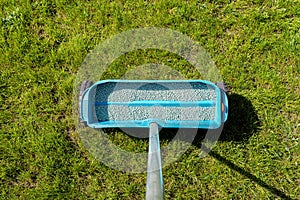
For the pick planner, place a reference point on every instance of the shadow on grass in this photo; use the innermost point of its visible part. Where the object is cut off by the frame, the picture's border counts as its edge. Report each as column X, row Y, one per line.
column 242, row 123
column 252, row 177
column 242, row 120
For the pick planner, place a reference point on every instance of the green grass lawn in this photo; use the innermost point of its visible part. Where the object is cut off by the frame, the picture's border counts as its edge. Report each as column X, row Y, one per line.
column 255, row 45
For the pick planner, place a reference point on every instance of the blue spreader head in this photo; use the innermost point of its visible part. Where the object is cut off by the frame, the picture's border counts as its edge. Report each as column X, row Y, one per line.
column 137, row 103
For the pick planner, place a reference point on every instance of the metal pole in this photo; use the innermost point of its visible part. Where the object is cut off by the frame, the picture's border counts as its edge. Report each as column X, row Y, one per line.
column 155, row 184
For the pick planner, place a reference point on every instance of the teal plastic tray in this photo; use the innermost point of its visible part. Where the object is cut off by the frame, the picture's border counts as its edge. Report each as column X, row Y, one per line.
column 169, row 103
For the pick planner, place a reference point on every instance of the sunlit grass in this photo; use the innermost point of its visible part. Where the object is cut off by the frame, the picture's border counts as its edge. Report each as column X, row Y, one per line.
column 255, row 44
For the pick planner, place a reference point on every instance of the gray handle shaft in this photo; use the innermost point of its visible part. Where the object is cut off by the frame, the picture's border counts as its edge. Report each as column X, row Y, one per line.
column 155, row 184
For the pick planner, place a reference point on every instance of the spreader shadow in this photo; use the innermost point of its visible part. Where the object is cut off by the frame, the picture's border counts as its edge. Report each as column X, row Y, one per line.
column 252, row 177
column 242, row 123
column 242, row 120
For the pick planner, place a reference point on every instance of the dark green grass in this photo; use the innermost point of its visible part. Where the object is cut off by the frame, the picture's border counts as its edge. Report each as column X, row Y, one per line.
column 256, row 46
